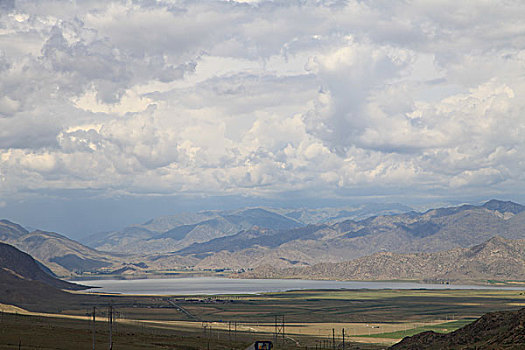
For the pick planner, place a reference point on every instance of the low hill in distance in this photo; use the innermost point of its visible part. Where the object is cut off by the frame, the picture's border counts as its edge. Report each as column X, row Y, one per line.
column 495, row 259
column 495, row 330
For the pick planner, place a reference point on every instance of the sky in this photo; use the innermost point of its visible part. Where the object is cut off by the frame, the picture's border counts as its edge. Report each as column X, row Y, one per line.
column 113, row 112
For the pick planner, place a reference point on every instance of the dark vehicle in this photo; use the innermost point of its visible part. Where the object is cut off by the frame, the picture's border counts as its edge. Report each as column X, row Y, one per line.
column 263, row 345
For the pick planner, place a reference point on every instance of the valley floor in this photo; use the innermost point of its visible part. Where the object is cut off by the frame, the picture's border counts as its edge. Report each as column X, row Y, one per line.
column 370, row 318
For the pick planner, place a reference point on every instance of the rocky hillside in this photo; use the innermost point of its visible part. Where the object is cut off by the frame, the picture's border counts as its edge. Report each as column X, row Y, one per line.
column 59, row 253
column 68, row 258
column 495, row 259
column 431, row 231
column 495, row 330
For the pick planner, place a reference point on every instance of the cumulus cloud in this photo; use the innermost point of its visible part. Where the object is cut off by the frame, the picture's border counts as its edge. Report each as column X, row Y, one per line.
column 261, row 97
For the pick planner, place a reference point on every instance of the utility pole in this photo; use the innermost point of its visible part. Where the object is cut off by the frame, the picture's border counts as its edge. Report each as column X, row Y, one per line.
column 93, row 326
column 209, row 336
column 283, row 329
column 275, row 333
column 279, row 328
column 333, row 338
column 343, row 339
column 276, row 330
column 110, row 321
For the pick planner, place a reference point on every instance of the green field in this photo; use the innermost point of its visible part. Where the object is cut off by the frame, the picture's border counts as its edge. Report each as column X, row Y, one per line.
column 232, row 322
column 358, row 305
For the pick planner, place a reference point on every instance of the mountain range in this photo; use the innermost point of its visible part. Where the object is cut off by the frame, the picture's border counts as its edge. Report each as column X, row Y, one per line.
column 412, row 232
column 176, row 232
column 250, row 238
column 497, row 258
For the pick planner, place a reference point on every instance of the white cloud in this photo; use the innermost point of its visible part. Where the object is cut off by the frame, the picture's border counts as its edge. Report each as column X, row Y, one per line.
column 261, row 97
column 8, row 106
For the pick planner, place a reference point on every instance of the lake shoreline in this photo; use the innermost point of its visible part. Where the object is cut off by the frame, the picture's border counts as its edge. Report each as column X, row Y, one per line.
column 223, row 285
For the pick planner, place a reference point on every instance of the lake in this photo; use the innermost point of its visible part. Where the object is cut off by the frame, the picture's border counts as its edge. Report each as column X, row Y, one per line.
column 217, row 285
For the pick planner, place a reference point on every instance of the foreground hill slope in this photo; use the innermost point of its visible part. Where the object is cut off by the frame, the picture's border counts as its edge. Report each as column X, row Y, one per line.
column 31, row 294
column 24, row 283
column 495, row 259
column 22, row 265
column 495, row 330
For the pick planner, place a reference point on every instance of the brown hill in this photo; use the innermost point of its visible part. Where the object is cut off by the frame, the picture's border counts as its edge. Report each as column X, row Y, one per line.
column 432, row 231
column 66, row 257
column 62, row 255
column 495, row 259
column 495, row 330
column 31, row 294
column 21, row 265
column 9, row 230
column 23, row 283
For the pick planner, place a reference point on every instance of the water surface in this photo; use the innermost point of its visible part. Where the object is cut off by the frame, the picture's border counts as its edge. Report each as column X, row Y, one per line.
column 217, row 285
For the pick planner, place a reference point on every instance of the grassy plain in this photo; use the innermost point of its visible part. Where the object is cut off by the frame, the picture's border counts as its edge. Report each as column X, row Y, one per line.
column 382, row 317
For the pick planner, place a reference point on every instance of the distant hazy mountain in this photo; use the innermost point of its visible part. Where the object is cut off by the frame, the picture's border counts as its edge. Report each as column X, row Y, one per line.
column 495, row 259
column 182, row 231
column 59, row 253
column 333, row 215
column 176, row 232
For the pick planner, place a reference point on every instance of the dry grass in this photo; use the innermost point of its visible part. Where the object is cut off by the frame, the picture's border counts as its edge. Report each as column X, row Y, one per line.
column 368, row 316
